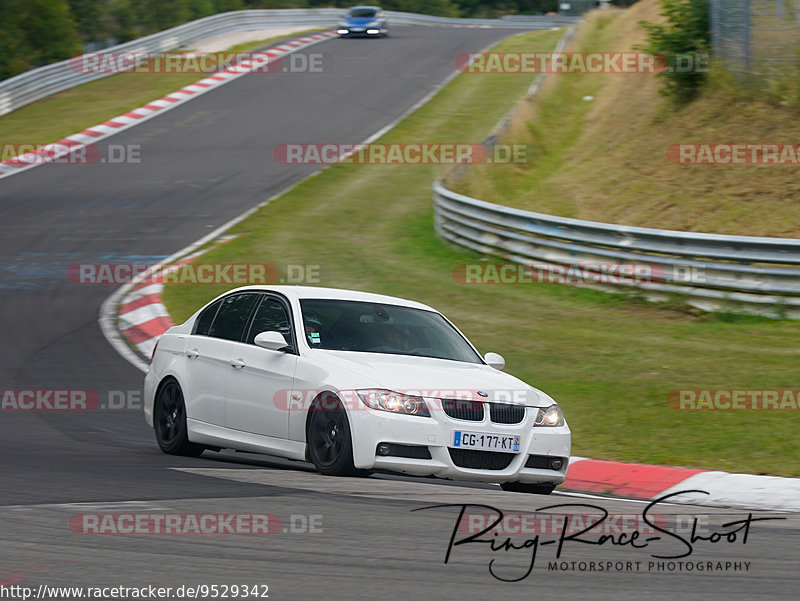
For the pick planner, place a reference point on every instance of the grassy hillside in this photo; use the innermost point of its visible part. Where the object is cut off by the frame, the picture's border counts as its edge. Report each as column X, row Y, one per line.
column 604, row 159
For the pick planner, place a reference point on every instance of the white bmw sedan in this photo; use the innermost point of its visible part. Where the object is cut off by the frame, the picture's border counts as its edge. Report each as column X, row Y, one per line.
column 353, row 382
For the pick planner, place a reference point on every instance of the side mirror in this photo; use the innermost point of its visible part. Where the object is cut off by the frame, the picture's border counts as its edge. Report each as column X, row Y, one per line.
column 495, row 360
column 274, row 341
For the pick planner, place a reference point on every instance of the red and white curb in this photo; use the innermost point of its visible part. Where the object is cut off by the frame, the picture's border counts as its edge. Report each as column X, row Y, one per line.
column 141, row 316
column 719, row 489
column 51, row 152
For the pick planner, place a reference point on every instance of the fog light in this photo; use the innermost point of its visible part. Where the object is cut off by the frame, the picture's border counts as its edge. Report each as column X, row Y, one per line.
column 556, row 463
column 384, row 449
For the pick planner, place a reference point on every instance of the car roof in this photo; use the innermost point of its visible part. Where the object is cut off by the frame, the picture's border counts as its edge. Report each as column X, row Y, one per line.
column 318, row 292
column 365, row 6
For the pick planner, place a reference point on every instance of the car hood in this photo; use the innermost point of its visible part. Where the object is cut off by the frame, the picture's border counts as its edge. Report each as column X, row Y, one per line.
column 359, row 21
column 424, row 376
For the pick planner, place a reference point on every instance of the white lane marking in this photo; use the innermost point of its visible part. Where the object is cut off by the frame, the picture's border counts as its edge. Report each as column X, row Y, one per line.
column 96, row 507
column 386, row 489
column 584, row 495
column 409, row 490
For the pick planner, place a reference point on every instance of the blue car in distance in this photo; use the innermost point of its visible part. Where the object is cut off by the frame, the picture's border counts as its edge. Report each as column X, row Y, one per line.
column 363, row 21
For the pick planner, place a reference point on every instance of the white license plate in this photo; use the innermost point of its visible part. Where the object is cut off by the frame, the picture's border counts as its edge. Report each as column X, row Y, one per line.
column 485, row 441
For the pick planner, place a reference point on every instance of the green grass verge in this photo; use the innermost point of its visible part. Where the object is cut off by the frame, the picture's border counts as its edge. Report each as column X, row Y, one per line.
column 609, row 361
column 73, row 110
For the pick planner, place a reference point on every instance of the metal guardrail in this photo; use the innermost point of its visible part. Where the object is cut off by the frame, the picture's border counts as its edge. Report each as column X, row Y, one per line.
column 36, row 84
column 713, row 271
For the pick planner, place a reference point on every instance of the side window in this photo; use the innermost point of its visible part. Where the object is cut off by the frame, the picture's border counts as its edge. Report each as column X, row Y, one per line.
column 233, row 315
column 204, row 320
column 271, row 316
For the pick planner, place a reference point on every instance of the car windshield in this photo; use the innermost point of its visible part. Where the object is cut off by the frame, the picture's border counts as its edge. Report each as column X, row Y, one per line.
column 361, row 13
column 341, row 325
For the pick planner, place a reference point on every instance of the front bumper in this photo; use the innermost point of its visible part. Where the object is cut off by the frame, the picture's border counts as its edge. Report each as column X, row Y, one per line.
column 360, row 32
column 371, row 428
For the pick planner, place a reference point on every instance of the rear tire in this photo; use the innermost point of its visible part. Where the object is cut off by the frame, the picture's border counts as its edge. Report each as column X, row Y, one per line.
column 169, row 422
column 532, row 489
column 330, row 445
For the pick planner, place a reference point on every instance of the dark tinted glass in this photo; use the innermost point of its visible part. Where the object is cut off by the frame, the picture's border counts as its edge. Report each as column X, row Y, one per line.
column 361, row 13
column 379, row 328
column 204, row 320
column 233, row 316
column 271, row 316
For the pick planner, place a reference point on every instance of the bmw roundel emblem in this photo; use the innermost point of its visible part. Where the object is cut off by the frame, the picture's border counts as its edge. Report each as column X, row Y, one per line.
column 482, row 393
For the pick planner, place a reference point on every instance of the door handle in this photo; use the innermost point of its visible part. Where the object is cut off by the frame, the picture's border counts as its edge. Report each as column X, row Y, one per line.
column 237, row 363
column 193, row 354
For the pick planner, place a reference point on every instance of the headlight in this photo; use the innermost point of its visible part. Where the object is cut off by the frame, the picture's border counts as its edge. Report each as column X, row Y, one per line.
column 549, row 417
column 394, row 402
column 342, row 31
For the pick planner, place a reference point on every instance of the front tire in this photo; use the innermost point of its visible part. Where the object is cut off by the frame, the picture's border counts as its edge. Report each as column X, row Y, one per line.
column 532, row 489
column 169, row 422
column 330, row 445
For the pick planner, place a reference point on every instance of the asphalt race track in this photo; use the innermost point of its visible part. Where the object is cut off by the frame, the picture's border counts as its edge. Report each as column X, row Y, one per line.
column 203, row 163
